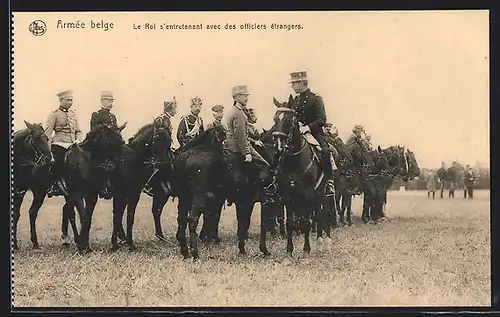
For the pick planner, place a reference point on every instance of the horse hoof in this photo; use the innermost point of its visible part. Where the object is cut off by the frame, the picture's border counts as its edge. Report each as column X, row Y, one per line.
column 36, row 246
column 132, row 248
column 242, row 252
column 265, row 252
column 196, row 256
column 161, row 239
column 15, row 247
column 114, row 248
column 217, row 240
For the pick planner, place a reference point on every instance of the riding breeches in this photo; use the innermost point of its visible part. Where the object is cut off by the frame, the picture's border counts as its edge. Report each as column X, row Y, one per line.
column 58, row 166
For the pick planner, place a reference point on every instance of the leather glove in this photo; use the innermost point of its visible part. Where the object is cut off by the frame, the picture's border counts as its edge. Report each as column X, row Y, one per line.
column 248, row 158
column 304, row 129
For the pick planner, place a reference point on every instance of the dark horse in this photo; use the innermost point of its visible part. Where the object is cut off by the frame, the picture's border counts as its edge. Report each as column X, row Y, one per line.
column 299, row 176
column 147, row 152
column 31, row 171
column 198, row 184
column 87, row 167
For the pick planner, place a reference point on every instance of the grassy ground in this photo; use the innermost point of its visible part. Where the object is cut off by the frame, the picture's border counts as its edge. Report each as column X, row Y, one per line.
column 428, row 253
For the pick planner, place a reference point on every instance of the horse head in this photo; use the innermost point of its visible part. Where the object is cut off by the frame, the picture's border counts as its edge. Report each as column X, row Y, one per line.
column 36, row 144
column 413, row 168
column 105, row 140
column 396, row 160
column 286, row 124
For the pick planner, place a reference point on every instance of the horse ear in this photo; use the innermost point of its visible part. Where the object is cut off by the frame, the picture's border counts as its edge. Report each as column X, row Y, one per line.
column 276, row 103
column 28, row 125
column 290, row 100
column 123, row 126
column 379, row 148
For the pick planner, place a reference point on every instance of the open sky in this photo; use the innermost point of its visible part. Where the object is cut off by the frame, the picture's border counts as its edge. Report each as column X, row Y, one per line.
column 419, row 79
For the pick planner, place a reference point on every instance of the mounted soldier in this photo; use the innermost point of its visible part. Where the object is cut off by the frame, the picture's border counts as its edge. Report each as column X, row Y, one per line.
column 169, row 111
column 104, row 117
column 254, row 132
column 238, row 141
column 218, row 113
column 311, row 114
column 356, row 136
column 63, row 130
column 192, row 124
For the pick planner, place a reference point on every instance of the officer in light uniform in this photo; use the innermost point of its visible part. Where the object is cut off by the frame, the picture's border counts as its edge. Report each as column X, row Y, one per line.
column 63, row 130
column 192, row 124
column 104, row 115
column 238, row 142
column 169, row 111
column 356, row 136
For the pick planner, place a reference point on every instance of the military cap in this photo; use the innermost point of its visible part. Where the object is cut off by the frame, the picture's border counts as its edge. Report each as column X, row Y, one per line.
column 240, row 90
column 218, row 108
column 298, row 76
column 169, row 105
column 358, row 128
column 196, row 101
column 106, row 94
column 65, row 94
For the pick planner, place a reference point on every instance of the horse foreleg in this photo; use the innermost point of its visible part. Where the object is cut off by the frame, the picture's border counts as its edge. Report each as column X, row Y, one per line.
column 216, row 219
column 243, row 214
column 281, row 219
column 305, row 227
column 88, row 210
column 182, row 220
column 290, row 226
column 131, row 207
column 16, row 214
column 159, row 201
column 193, row 219
column 365, row 216
column 68, row 217
column 265, row 223
column 119, row 205
column 38, row 199
column 347, row 206
column 339, row 196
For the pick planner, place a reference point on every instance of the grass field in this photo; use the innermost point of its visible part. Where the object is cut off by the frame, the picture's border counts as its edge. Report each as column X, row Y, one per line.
column 427, row 253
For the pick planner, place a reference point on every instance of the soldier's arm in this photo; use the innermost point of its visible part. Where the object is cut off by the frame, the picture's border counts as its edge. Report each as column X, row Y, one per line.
column 202, row 128
column 239, row 124
column 181, row 131
column 78, row 132
column 93, row 120
column 317, row 125
column 49, row 125
column 115, row 121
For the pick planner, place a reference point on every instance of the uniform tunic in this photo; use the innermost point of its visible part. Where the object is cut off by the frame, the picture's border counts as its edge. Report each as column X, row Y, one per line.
column 103, row 117
column 62, row 127
column 189, row 127
column 237, row 140
column 311, row 111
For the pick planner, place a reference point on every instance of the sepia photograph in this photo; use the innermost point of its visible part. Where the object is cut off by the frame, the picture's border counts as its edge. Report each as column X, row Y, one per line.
column 278, row 159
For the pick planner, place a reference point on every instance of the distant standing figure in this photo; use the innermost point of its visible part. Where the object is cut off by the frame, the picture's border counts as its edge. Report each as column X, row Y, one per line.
column 192, row 124
column 442, row 175
column 431, row 185
column 452, row 179
column 469, row 182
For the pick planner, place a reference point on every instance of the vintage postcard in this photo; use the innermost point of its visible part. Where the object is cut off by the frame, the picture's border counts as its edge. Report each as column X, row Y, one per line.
column 167, row 159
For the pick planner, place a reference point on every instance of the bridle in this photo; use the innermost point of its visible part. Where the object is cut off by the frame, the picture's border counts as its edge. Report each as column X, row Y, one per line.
column 39, row 158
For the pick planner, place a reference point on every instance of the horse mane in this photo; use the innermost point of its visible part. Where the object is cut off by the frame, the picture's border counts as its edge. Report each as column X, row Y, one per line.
column 20, row 135
column 141, row 134
column 199, row 140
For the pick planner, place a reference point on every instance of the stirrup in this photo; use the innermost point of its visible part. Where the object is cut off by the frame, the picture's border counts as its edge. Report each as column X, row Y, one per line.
column 148, row 192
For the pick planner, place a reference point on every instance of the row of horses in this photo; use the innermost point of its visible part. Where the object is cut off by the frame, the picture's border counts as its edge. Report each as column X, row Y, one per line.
column 203, row 176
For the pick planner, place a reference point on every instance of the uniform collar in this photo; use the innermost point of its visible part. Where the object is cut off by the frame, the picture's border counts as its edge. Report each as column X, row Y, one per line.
column 104, row 110
column 306, row 92
column 239, row 105
column 62, row 109
column 166, row 115
column 192, row 114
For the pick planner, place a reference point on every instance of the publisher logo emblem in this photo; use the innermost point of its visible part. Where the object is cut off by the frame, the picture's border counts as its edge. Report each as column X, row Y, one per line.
column 38, row 28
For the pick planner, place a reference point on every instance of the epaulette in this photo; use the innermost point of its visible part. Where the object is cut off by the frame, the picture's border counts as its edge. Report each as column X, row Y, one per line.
column 56, row 110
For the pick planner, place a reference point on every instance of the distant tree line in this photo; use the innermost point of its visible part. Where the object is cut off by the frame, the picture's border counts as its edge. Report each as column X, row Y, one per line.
column 420, row 183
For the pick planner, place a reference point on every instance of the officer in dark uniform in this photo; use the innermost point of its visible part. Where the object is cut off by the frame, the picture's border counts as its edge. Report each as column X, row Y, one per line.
column 169, row 111
column 104, row 115
column 192, row 124
column 312, row 117
column 469, row 182
column 452, row 175
column 218, row 113
column 101, row 117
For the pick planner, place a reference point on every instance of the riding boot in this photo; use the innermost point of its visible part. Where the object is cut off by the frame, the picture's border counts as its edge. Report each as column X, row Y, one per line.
column 328, row 170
